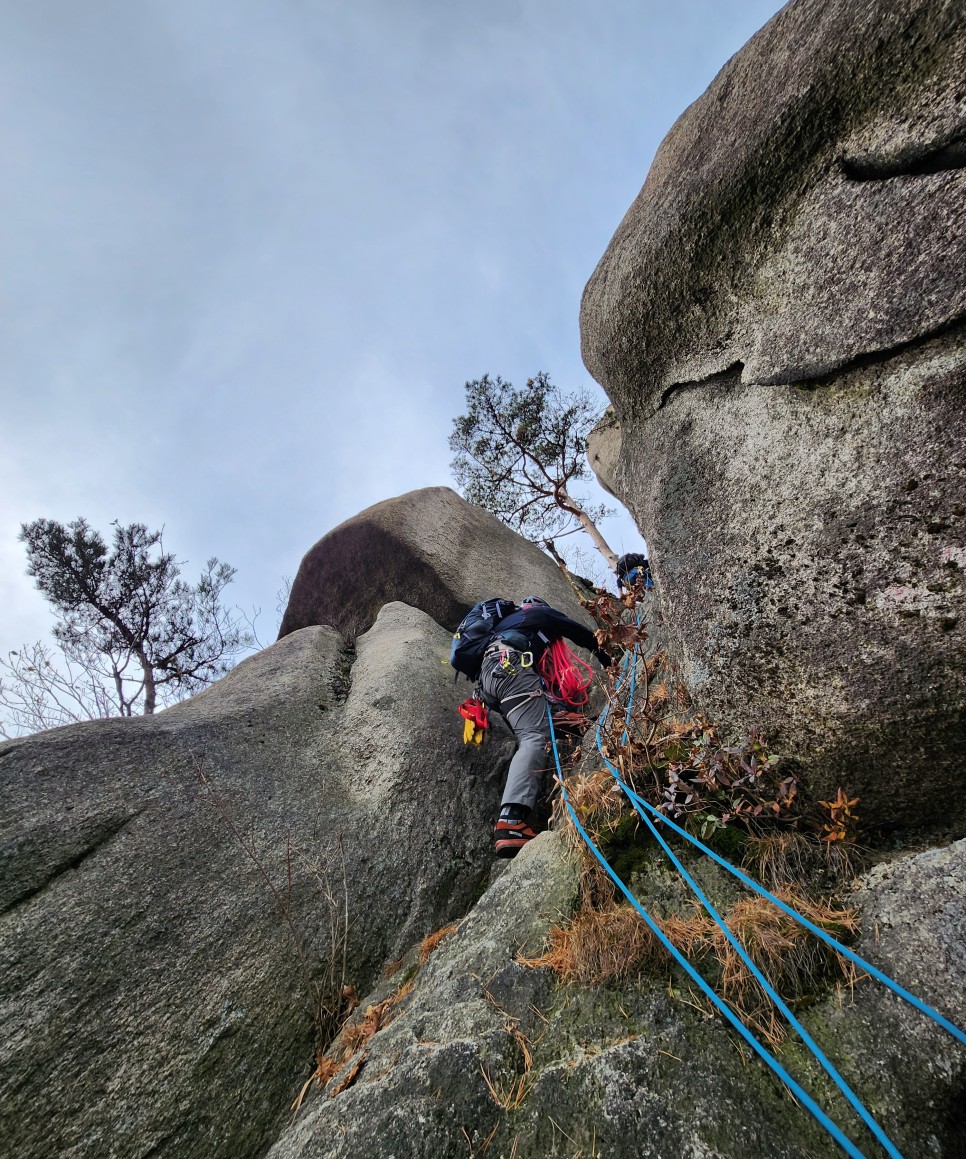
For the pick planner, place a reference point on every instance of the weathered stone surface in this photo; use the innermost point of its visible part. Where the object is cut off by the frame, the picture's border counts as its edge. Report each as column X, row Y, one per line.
column 906, row 1067
column 779, row 324
column 152, row 1000
column 637, row 1069
column 428, row 548
column 423, row 1080
column 604, row 449
column 805, row 210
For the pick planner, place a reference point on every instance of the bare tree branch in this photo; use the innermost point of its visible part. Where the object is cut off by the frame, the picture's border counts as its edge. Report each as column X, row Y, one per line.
column 517, row 453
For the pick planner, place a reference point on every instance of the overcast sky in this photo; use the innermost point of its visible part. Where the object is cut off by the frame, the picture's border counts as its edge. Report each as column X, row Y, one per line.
column 251, row 250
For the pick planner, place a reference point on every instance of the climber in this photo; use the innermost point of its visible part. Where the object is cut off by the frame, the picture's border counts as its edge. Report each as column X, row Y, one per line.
column 511, row 685
column 631, row 569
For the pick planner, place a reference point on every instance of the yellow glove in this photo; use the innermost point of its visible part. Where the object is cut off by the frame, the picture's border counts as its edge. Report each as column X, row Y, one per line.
column 472, row 734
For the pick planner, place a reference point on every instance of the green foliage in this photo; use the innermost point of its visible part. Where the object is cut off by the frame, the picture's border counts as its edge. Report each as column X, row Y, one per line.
column 137, row 631
column 517, row 453
column 626, row 848
column 713, row 784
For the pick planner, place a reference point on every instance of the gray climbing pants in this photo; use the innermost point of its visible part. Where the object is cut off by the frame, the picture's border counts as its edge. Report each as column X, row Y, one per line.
column 518, row 697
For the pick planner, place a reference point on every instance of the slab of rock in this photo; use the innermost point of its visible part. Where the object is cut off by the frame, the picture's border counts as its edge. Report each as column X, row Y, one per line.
column 906, row 1067
column 779, row 322
column 429, row 549
column 489, row 1056
column 164, row 884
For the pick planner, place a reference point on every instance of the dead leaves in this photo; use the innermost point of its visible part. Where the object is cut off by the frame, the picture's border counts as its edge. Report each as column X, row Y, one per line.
column 351, row 1075
column 348, row 1053
column 347, row 1056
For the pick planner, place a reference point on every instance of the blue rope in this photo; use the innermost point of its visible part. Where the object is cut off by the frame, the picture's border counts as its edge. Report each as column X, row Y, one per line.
column 827, row 938
column 772, row 993
column 799, row 1092
column 648, row 814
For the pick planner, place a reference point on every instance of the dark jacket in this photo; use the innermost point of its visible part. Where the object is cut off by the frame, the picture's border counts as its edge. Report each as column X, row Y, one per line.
column 542, row 626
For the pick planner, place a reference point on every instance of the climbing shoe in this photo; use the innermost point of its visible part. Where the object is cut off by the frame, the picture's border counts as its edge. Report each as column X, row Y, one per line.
column 511, row 836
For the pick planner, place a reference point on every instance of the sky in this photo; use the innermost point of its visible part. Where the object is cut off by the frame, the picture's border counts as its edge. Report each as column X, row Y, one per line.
column 251, row 250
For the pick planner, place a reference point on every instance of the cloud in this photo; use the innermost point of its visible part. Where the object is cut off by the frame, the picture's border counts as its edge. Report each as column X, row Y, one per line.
column 252, row 251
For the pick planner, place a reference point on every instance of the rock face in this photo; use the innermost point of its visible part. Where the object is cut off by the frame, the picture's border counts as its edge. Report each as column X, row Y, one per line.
column 429, row 549
column 639, row 1069
column 604, row 450
column 779, row 322
column 153, row 1000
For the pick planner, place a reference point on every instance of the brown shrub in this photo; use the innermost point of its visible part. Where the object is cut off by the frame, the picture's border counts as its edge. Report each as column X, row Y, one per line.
column 599, row 946
column 598, row 803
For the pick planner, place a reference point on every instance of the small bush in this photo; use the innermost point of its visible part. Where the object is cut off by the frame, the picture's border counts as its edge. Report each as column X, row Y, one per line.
column 599, row 946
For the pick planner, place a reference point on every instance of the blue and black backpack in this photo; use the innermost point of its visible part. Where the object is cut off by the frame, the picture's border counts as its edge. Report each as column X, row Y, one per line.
column 631, row 568
column 474, row 633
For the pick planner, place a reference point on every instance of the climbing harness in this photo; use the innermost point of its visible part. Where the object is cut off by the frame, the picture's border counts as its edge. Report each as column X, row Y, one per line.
column 475, row 720
column 534, row 694
column 525, row 660
column 649, row 814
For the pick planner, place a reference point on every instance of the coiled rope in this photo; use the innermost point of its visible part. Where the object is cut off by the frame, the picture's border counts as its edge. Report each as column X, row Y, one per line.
column 566, row 677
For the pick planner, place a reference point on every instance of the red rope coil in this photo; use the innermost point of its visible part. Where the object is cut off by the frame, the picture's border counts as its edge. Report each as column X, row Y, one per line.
column 565, row 675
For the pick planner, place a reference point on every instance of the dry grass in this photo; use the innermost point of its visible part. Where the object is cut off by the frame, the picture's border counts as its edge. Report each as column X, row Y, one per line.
column 359, row 1033
column 660, row 694
column 598, row 803
column 351, row 1075
column 509, row 1096
column 843, row 859
column 611, row 944
column 777, row 944
column 794, row 961
column 484, row 1146
column 523, row 1042
column 614, row 944
column 348, row 1053
column 431, row 941
column 780, row 859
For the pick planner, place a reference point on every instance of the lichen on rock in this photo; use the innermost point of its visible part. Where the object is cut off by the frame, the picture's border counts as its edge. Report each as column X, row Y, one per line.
column 779, row 324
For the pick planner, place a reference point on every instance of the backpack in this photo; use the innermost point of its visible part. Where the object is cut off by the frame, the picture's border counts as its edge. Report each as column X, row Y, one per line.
column 475, row 632
column 632, row 567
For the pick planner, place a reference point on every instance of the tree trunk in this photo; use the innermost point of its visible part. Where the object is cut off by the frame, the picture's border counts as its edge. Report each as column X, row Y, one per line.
column 150, row 689
column 589, row 526
column 562, row 564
